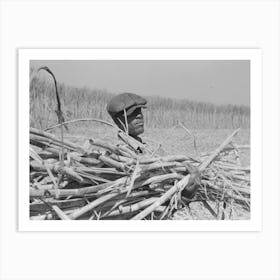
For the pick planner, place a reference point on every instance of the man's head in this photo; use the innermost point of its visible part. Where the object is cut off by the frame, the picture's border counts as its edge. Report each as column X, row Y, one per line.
column 132, row 105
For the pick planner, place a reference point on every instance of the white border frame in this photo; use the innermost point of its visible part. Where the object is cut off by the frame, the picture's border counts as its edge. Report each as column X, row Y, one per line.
column 254, row 55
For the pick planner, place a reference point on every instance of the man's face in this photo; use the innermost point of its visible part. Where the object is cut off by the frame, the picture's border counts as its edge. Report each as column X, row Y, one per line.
column 135, row 122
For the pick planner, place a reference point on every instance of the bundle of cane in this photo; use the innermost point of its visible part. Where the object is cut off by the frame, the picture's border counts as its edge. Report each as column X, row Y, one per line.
column 100, row 180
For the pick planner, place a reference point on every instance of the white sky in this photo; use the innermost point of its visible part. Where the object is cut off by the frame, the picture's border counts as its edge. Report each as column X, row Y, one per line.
column 218, row 82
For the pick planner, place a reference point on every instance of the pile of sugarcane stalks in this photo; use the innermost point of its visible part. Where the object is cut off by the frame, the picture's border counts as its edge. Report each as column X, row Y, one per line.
column 102, row 181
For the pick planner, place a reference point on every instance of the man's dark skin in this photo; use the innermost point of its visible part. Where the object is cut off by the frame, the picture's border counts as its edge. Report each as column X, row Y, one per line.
column 135, row 123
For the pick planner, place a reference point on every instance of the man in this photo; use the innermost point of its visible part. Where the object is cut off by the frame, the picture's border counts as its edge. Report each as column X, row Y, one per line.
column 126, row 111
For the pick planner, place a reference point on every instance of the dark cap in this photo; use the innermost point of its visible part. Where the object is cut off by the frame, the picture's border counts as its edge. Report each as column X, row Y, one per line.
column 125, row 101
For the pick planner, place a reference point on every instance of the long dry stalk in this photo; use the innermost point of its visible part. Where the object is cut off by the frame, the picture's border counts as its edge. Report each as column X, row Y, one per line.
column 133, row 207
column 91, row 206
column 177, row 187
column 217, row 151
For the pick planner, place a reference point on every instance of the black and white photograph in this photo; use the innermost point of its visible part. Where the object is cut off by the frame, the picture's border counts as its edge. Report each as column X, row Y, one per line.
column 140, row 139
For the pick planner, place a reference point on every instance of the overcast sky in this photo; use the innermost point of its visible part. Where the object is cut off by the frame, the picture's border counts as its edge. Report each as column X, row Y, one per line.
column 218, row 82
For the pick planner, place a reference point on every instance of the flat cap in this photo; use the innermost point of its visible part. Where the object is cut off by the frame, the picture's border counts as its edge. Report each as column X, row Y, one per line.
column 125, row 101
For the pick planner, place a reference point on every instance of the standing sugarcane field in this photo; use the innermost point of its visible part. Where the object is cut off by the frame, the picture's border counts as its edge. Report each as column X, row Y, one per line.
column 190, row 160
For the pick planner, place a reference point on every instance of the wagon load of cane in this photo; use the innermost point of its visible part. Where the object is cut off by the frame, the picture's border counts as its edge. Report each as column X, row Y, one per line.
column 104, row 180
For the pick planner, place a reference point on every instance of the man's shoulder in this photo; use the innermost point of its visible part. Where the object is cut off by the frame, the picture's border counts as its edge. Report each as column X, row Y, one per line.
column 135, row 145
